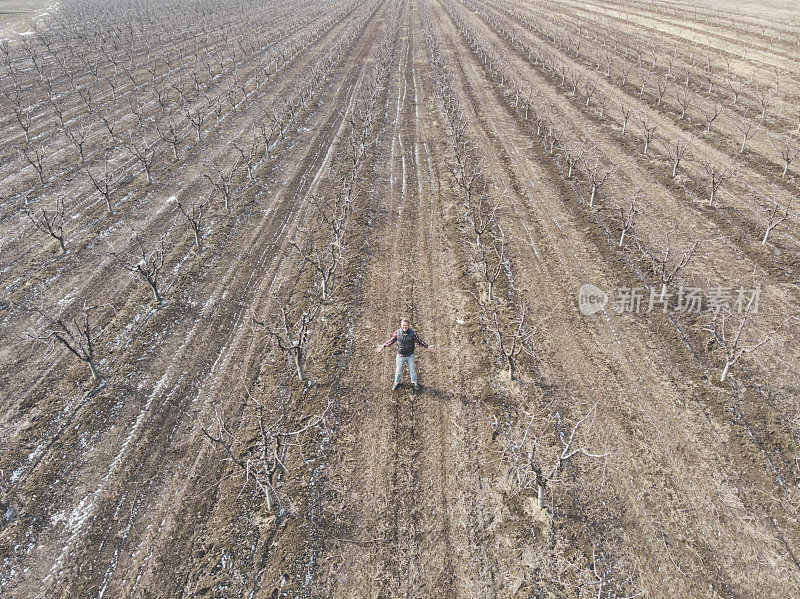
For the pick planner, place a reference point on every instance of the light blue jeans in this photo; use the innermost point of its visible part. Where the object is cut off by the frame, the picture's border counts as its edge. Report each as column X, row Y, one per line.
column 398, row 373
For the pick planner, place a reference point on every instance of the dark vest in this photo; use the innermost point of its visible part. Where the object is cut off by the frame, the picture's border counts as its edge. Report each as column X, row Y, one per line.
column 405, row 342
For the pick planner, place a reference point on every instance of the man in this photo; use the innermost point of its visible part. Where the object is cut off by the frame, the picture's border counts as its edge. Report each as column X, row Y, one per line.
column 406, row 338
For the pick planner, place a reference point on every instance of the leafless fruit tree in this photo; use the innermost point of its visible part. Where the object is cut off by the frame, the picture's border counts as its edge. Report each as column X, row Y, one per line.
column 265, row 463
column 103, row 182
column 535, row 461
column 598, row 175
column 727, row 335
column 78, row 334
column 627, row 217
column 787, row 146
column 50, row 222
column 492, row 260
column 145, row 262
column 194, row 217
column 775, row 215
column 664, row 264
column 718, row 175
column 222, row 181
column 513, row 333
column 291, row 331
column 676, row 151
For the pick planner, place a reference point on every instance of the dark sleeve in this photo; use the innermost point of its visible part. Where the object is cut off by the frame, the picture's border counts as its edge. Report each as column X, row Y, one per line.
column 417, row 339
column 392, row 340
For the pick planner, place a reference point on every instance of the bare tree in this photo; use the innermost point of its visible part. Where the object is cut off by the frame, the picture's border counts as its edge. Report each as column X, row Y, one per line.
column 173, row 135
column 492, row 260
column 747, row 127
column 248, row 155
column 765, row 97
column 143, row 261
column 648, row 131
column 103, row 181
column 737, row 87
column 684, row 97
column 291, row 331
column 22, row 113
column 775, row 215
column 263, row 466
column 144, row 154
column 223, row 182
column 602, row 102
column 644, row 77
column 589, row 87
column 196, row 117
column 597, row 177
column 325, row 261
column 727, row 335
column 194, row 217
column 718, row 175
column 663, row 83
column 710, row 112
column 663, row 264
column 78, row 136
column 787, row 146
column 573, row 154
column 34, row 155
column 513, row 335
column 628, row 217
column 676, row 151
column 529, row 452
column 77, row 334
column 568, row 449
column 49, row 222
column 626, row 114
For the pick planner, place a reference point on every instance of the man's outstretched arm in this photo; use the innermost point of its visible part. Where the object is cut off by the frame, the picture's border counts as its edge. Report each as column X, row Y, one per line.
column 421, row 342
column 388, row 343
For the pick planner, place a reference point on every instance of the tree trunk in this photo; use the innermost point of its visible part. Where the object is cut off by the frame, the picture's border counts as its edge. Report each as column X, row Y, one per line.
column 512, row 367
column 156, row 295
column 725, row 372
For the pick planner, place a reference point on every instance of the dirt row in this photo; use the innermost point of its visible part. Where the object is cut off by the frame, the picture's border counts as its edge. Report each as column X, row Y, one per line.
column 115, row 490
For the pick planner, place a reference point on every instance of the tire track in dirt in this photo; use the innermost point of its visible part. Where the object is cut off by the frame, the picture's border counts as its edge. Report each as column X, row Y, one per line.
column 302, row 187
column 665, row 203
column 232, row 312
column 650, row 461
column 435, row 522
column 108, row 275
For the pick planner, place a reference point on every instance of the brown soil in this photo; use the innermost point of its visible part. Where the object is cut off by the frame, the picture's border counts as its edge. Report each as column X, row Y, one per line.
column 113, row 489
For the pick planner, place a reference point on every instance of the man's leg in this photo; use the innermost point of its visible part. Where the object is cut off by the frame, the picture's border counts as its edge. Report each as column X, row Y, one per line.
column 412, row 368
column 398, row 372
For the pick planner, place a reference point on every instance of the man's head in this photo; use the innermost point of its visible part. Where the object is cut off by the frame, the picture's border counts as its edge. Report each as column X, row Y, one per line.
column 404, row 324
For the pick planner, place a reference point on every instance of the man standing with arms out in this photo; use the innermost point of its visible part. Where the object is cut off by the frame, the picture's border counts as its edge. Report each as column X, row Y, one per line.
column 405, row 338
